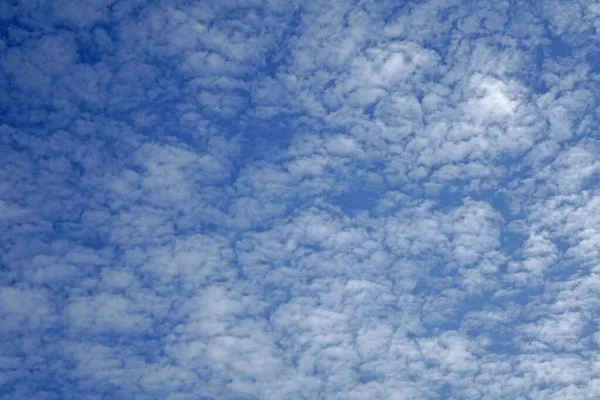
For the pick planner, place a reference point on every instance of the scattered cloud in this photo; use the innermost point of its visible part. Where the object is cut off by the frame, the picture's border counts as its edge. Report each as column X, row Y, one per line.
column 330, row 200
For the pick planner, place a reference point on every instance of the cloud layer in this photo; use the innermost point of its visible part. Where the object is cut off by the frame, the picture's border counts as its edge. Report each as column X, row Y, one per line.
column 279, row 200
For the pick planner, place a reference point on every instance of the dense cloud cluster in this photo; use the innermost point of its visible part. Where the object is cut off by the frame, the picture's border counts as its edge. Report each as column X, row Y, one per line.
column 271, row 199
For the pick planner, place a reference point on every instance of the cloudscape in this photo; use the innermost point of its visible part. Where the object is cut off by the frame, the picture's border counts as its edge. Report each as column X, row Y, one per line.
column 271, row 199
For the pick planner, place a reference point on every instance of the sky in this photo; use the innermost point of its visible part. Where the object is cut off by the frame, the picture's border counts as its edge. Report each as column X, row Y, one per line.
column 272, row 199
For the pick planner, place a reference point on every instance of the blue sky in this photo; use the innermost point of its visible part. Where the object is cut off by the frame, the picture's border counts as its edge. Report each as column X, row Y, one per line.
column 299, row 200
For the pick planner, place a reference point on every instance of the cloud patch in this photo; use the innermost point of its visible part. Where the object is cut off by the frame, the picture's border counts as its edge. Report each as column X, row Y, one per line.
column 272, row 200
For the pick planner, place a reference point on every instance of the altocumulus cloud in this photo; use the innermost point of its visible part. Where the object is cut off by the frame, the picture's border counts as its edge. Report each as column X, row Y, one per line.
column 299, row 200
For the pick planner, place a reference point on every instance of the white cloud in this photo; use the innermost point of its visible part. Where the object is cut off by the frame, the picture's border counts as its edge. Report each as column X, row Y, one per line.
column 25, row 309
column 269, row 200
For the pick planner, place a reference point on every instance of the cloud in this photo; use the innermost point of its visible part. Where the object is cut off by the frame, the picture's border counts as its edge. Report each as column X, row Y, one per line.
column 275, row 200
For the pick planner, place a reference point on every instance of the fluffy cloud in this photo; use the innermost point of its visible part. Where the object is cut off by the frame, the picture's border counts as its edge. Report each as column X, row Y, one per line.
column 331, row 200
